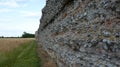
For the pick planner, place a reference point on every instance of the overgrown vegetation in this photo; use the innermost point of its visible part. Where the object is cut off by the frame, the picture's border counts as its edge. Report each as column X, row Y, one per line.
column 23, row 56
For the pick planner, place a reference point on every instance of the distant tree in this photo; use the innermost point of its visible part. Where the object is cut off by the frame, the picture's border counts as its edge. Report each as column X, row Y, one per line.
column 27, row 35
column 2, row 37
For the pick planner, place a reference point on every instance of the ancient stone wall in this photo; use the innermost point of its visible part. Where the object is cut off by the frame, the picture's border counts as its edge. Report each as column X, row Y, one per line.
column 81, row 33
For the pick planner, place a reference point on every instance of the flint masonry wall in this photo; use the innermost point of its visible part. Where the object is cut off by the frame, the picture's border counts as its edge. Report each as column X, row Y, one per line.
column 81, row 33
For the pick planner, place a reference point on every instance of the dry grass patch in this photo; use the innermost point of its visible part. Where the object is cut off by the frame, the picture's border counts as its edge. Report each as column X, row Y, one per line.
column 8, row 44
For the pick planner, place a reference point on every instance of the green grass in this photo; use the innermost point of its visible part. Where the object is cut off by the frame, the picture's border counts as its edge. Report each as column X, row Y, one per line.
column 23, row 56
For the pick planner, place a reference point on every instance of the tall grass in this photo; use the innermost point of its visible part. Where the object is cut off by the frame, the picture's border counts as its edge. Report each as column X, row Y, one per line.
column 8, row 44
column 23, row 56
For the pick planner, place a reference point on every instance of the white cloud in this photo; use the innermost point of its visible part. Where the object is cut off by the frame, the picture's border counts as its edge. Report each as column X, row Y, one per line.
column 30, row 14
column 4, row 10
column 21, row 0
column 9, row 3
column 13, row 3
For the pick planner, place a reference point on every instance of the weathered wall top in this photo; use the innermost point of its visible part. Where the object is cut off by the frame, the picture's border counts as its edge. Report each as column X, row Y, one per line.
column 51, row 10
column 81, row 33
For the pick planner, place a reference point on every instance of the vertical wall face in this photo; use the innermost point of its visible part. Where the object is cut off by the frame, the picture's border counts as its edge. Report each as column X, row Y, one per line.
column 81, row 33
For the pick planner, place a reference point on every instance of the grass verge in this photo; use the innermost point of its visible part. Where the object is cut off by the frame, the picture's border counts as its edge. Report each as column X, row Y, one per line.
column 23, row 56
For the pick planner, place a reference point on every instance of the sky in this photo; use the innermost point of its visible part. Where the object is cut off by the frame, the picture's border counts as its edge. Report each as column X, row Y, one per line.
column 18, row 16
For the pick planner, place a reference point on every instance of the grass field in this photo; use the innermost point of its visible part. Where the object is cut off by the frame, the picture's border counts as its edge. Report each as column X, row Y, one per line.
column 18, row 52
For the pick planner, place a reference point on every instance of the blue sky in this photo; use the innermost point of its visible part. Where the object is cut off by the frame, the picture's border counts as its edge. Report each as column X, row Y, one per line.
column 17, row 16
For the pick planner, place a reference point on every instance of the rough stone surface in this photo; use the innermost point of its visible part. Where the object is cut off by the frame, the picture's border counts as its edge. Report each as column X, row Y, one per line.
column 81, row 33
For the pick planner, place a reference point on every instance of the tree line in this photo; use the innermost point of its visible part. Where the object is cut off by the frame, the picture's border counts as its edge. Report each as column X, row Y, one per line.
column 27, row 35
column 24, row 35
